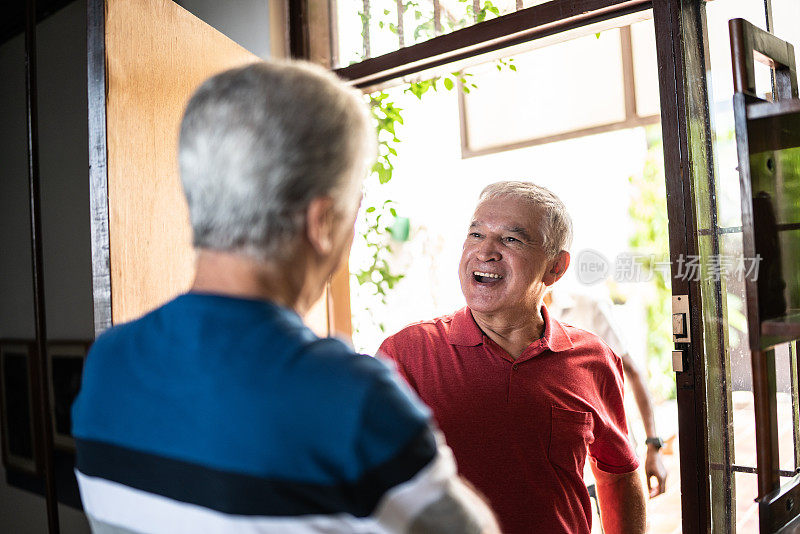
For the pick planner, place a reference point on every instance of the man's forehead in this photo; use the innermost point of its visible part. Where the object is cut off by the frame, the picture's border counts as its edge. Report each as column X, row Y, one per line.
column 512, row 212
column 519, row 228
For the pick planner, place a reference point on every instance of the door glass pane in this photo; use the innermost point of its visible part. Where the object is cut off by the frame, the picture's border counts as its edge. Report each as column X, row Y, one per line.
column 645, row 69
column 493, row 121
column 732, row 422
column 785, row 17
column 783, row 375
column 746, row 507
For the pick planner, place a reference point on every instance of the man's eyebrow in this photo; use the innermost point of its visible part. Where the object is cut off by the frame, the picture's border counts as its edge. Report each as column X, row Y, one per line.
column 519, row 230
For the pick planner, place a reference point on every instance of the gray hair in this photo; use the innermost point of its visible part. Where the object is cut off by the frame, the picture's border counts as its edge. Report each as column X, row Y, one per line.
column 258, row 143
column 557, row 230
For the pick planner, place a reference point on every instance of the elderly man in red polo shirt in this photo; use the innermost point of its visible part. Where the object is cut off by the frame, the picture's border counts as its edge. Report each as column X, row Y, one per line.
column 520, row 397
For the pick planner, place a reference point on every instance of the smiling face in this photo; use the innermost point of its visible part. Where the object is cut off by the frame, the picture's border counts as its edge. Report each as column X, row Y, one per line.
column 504, row 267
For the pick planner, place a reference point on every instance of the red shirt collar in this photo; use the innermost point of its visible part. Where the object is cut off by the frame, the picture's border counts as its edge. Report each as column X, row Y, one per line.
column 466, row 332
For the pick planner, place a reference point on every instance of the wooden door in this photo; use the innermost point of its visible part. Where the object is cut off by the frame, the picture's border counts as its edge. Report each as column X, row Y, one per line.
column 146, row 57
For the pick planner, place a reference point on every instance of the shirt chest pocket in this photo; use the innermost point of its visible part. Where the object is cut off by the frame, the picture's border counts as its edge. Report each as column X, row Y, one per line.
column 570, row 435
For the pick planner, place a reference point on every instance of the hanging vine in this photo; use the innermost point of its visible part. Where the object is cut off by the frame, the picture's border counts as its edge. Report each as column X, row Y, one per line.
column 380, row 215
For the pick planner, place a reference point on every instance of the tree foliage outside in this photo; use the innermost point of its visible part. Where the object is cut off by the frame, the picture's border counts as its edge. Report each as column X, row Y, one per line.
column 383, row 16
column 377, row 278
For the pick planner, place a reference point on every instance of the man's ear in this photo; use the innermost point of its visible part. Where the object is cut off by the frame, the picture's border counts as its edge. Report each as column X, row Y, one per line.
column 558, row 266
column 319, row 225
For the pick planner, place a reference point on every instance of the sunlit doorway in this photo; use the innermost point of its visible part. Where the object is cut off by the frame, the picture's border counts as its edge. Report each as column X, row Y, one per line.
column 577, row 113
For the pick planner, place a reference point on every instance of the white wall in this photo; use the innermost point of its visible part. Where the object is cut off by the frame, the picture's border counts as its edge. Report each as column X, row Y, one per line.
column 244, row 21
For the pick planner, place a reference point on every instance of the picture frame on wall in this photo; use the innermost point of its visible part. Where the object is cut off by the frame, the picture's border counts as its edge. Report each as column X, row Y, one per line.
column 16, row 406
column 65, row 365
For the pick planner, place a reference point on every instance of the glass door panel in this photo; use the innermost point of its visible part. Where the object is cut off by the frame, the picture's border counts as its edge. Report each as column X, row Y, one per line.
column 726, row 269
column 765, row 418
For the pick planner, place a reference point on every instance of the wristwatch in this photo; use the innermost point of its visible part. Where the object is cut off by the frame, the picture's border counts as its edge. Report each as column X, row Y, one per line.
column 658, row 442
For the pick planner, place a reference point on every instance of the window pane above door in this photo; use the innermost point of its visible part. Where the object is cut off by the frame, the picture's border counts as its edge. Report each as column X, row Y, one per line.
column 569, row 86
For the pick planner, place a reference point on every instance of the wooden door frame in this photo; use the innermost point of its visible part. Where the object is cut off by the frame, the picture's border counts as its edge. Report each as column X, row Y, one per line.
column 98, row 164
column 680, row 48
column 681, row 56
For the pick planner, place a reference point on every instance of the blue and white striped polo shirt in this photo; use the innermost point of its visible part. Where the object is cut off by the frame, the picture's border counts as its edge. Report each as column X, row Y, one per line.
column 219, row 414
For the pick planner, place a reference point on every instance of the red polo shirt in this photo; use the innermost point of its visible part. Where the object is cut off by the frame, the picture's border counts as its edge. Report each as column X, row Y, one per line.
column 520, row 429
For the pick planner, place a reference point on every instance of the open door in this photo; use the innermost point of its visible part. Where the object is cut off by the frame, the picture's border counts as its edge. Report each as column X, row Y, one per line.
column 768, row 143
column 146, row 57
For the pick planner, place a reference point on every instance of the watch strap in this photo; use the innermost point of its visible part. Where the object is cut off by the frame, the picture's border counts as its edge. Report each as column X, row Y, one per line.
column 658, row 442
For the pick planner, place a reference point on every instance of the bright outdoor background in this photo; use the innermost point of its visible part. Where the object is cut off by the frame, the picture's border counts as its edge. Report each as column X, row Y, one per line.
column 559, row 116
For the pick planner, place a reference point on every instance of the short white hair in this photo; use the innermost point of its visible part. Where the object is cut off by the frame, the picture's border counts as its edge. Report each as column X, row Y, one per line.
column 258, row 143
column 557, row 231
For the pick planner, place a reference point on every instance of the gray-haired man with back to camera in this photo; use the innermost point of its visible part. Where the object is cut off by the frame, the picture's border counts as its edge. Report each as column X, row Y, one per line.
column 220, row 411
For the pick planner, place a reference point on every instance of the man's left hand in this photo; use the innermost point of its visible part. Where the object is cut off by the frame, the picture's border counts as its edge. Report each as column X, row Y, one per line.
column 654, row 468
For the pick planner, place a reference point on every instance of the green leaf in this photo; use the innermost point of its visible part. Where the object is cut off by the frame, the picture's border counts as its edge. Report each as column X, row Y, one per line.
column 384, row 175
column 597, row 35
column 370, row 209
column 513, row 67
column 448, row 84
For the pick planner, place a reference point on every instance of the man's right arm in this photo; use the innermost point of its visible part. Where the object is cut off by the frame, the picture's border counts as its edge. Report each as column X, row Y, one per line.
column 436, row 501
column 622, row 505
column 460, row 509
column 423, row 492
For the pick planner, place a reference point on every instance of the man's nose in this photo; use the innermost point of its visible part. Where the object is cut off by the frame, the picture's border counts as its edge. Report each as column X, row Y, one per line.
column 488, row 251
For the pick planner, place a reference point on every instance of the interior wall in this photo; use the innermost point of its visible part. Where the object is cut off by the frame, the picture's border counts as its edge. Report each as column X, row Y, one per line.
column 247, row 24
column 65, row 224
column 63, row 162
column 16, row 286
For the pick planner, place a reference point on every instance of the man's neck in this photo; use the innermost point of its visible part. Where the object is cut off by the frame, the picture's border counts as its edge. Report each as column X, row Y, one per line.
column 513, row 332
column 235, row 275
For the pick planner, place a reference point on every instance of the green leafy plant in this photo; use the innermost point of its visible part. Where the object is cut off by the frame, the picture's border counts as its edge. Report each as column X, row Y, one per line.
column 485, row 11
column 380, row 215
column 386, row 116
column 377, row 275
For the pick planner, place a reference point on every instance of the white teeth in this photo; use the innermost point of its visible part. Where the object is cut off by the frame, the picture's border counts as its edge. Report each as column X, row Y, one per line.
column 486, row 275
